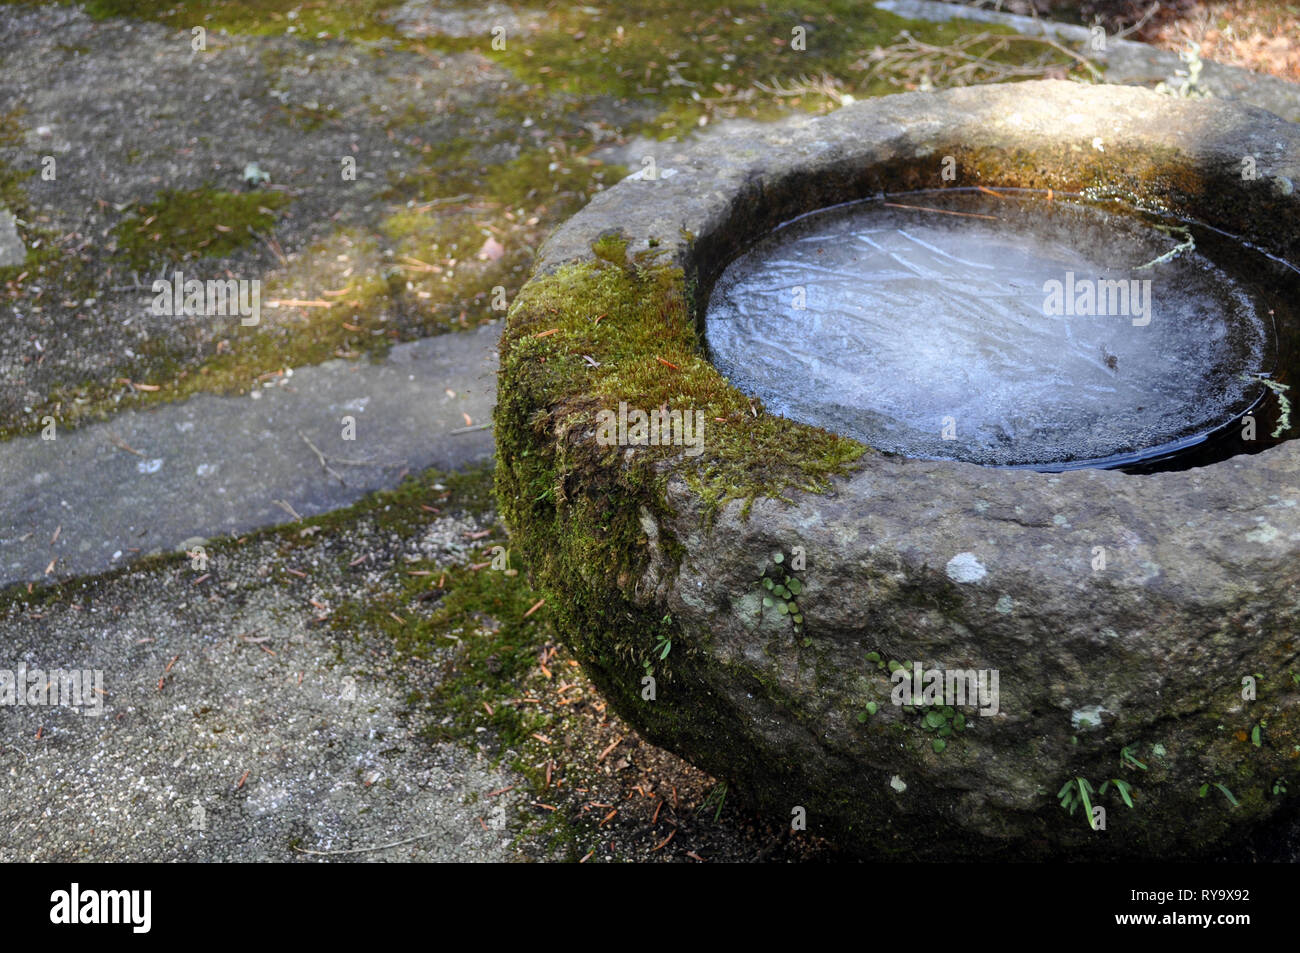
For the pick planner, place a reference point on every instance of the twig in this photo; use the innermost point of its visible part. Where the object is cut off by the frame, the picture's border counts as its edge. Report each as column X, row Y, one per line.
column 272, row 245
column 450, row 200
column 943, row 211
column 824, row 85
column 288, row 509
column 916, row 61
column 343, row 462
column 470, row 429
column 122, row 444
column 321, row 457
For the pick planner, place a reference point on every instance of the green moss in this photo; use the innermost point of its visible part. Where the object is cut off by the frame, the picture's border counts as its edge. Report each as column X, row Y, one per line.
column 620, row 332
column 583, row 339
column 12, row 194
column 557, row 181
column 405, row 509
column 611, row 248
column 693, row 61
column 184, row 225
column 563, row 181
column 481, row 616
column 355, row 19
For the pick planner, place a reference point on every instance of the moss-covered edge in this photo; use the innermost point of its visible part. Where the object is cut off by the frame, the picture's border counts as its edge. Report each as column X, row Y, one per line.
column 589, row 520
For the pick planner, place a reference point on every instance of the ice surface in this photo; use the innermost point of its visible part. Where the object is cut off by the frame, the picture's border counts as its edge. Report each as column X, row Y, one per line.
column 916, row 318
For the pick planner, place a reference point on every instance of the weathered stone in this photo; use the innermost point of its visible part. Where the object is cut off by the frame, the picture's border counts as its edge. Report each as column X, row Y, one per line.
column 12, row 251
column 949, row 565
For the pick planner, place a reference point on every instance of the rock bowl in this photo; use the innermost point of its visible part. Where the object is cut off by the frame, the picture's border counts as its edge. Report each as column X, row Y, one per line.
column 1170, row 663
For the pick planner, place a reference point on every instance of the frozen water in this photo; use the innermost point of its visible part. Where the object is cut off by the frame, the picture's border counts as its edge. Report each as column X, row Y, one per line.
column 935, row 334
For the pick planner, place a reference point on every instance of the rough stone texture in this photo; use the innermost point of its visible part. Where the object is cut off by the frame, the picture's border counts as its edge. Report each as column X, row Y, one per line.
column 12, row 251
column 957, row 566
column 148, row 481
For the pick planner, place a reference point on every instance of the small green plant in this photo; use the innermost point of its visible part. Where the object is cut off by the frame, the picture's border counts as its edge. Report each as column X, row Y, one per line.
column 941, row 720
column 663, row 645
column 871, row 709
column 1257, row 734
column 1205, row 790
column 781, row 590
column 1126, row 757
column 1080, row 790
column 1279, row 787
column 1075, row 792
column 1123, row 787
column 716, row 798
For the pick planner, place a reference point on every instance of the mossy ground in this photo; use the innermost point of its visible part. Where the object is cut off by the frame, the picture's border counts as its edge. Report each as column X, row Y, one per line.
column 699, row 64
column 180, row 226
column 317, row 19
column 424, row 267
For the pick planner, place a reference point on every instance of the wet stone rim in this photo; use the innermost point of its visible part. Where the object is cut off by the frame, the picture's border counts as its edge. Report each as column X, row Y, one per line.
column 938, row 561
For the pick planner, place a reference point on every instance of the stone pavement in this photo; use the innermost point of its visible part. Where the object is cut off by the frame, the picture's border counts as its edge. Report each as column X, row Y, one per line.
column 93, row 498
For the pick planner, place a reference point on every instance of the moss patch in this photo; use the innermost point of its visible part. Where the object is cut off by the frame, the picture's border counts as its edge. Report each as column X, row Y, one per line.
column 12, row 194
column 356, row 19
column 184, row 225
column 696, row 62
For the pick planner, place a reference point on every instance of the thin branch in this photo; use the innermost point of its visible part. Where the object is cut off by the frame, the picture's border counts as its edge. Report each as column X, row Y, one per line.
column 323, row 462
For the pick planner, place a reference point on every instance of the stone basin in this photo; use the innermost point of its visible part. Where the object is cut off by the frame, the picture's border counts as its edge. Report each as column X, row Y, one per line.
column 743, row 591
